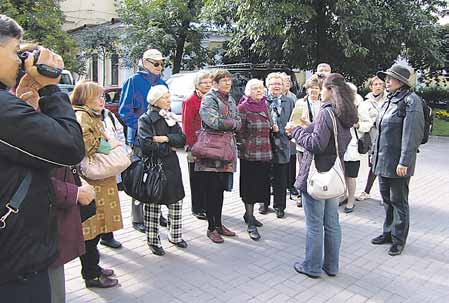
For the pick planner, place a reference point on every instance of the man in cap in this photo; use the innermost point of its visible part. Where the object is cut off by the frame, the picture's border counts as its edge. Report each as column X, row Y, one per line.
column 400, row 126
column 133, row 103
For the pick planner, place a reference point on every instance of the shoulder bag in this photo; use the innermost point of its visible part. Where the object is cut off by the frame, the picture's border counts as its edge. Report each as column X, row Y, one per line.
column 330, row 184
column 363, row 143
column 215, row 145
column 101, row 166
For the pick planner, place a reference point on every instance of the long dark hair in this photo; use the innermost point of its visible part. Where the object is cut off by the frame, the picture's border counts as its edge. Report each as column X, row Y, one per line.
column 342, row 98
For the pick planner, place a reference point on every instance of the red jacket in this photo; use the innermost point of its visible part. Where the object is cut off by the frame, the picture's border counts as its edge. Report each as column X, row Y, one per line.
column 70, row 234
column 191, row 120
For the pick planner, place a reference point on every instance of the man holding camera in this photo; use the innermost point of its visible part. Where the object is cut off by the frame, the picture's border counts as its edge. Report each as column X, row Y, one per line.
column 31, row 144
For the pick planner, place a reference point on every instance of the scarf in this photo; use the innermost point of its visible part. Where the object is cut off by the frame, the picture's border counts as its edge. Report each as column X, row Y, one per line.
column 254, row 106
column 169, row 117
column 276, row 107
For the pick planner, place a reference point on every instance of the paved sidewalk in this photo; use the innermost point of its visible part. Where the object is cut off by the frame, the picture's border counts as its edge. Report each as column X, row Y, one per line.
column 241, row 270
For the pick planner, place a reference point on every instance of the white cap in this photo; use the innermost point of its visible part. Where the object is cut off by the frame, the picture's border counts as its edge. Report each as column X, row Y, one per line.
column 153, row 54
column 156, row 92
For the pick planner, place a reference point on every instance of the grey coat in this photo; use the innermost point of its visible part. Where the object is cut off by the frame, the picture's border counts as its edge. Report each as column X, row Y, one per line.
column 282, row 152
column 398, row 138
column 318, row 139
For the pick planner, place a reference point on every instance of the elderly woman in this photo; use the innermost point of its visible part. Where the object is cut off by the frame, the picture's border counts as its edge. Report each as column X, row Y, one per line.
column 369, row 109
column 88, row 102
column 218, row 111
column 309, row 106
column 159, row 135
column 280, row 110
column 191, row 123
column 255, row 152
column 318, row 141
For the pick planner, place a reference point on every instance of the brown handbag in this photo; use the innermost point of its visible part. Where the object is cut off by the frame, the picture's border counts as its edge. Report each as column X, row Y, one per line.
column 215, row 145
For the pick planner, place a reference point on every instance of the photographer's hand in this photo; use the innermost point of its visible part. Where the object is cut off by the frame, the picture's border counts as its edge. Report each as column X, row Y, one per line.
column 46, row 57
column 27, row 91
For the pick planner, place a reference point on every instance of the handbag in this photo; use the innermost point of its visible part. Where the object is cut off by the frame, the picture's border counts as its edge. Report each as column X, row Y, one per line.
column 101, row 166
column 215, row 145
column 364, row 143
column 145, row 180
column 330, row 184
column 86, row 211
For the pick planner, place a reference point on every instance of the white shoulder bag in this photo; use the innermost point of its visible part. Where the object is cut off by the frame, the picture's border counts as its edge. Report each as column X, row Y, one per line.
column 330, row 184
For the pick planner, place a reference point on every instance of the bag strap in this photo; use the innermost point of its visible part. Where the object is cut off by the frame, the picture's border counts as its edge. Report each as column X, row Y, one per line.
column 110, row 115
column 334, row 123
column 13, row 206
column 310, row 109
column 356, row 135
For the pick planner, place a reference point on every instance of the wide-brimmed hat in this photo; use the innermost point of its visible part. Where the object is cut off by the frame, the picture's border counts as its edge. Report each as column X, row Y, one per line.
column 397, row 71
column 153, row 54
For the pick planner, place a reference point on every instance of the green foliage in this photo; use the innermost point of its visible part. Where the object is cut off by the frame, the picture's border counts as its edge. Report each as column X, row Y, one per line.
column 357, row 37
column 440, row 128
column 172, row 26
column 434, row 94
column 42, row 21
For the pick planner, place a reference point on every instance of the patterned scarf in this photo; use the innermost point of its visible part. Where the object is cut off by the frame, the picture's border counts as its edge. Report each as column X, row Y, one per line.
column 169, row 117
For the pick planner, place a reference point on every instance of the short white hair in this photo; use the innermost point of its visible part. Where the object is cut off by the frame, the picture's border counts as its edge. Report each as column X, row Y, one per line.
column 250, row 84
column 200, row 76
column 156, row 92
column 272, row 76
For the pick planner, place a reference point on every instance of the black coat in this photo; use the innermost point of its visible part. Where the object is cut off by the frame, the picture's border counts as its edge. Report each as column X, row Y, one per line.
column 152, row 124
column 28, row 243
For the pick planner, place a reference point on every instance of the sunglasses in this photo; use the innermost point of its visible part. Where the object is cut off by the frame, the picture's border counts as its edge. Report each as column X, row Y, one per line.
column 155, row 64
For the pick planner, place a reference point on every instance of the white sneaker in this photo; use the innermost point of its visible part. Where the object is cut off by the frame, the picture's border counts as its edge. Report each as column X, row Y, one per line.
column 363, row 196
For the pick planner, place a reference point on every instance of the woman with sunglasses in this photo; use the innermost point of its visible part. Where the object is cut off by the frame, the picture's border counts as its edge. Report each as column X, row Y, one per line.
column 133, row 103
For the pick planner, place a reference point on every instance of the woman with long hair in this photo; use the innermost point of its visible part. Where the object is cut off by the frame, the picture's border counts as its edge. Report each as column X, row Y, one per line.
column 317, row 139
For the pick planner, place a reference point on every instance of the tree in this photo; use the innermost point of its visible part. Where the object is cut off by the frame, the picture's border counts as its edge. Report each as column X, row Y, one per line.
column 102, row 41
column 169, row 25
column 42, row 21
column 357, row 37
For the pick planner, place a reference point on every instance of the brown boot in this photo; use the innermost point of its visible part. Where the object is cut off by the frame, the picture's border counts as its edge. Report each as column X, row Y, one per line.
column 214, row 236
column 223, row 230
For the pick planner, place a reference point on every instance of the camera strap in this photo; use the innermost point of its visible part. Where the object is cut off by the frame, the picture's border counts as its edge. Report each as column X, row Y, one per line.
column 13, row 206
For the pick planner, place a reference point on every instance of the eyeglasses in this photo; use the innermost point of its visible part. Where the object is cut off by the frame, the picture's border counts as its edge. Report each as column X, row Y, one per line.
column 155, row 64
column 205, row 82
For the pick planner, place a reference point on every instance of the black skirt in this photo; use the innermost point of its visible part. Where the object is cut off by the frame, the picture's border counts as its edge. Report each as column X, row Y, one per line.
column 352, row 169
column 255, row 181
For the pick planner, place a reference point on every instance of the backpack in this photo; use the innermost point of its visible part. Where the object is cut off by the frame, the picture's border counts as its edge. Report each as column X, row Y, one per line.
column 428, row 117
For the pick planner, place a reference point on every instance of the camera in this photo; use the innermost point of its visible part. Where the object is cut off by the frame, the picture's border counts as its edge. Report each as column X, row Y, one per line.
column 43, row 69
column 321, row 76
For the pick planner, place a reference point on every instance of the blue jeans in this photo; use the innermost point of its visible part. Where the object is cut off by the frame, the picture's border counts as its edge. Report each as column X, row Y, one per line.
column 323, row 227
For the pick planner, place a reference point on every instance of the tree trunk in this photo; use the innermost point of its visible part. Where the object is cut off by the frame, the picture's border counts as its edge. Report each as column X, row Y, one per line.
column 180, row 42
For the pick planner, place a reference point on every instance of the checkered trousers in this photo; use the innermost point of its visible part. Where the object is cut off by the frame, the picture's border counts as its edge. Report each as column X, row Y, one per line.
column 151, row 213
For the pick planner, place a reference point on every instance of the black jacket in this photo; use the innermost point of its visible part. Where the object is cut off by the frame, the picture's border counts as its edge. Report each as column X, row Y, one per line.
column 399, row 133
column 28, row 243
column 152, row 124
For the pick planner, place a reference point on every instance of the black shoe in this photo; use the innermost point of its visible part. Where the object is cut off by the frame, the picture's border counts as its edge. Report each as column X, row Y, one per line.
column 299, row 203
column 328, row 273
column 255, row 221
column 263, row 209
column 181, row 244
column 300, row 270
column 382, row 239
column 293, row 191
column 201, row 215
column 157, row 250
column 162, row 221
column 280, row 213
column 101, row 282
column 111, row 243
column 139, row 227
column 253, row 233
column 396, row 249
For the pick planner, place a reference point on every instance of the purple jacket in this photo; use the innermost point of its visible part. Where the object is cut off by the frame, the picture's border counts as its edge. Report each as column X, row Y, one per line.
column 318, row 139
column 70, row 234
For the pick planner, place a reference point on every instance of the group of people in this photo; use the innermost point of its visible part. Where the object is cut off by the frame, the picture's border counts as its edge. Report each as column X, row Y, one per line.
column 44, row 136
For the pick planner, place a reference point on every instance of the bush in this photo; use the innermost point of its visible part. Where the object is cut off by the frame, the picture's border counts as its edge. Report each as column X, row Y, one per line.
column 435, row 96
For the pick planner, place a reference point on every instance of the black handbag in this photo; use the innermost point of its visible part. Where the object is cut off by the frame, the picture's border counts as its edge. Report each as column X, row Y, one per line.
column 86, row 211
column 145, row 180
column 363, row 143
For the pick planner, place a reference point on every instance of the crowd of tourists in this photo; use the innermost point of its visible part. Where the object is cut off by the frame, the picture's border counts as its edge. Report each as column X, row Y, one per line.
column 64, row 161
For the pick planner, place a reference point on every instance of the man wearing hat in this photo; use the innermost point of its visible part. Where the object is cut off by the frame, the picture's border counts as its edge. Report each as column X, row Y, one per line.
column 400, row 126
column 133, row 103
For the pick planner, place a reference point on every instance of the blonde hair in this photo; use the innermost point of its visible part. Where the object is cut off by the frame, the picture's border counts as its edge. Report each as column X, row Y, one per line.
column 85, row 90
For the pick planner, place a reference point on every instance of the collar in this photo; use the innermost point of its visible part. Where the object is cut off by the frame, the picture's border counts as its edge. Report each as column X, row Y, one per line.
column 150, row 77
column 398, row 95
